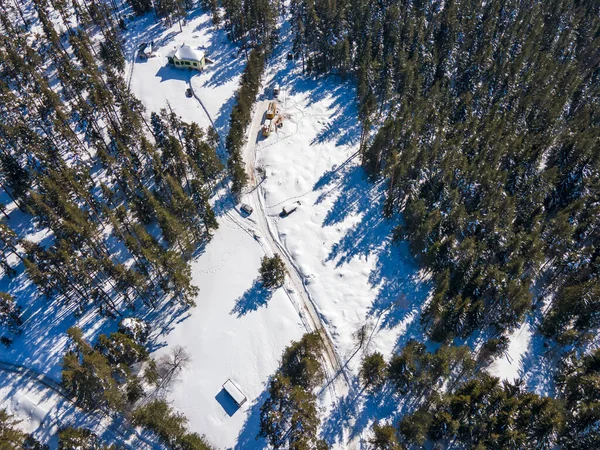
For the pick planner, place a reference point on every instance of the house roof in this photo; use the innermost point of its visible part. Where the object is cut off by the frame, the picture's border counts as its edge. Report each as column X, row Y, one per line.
column 187, row 52
column 235, row 392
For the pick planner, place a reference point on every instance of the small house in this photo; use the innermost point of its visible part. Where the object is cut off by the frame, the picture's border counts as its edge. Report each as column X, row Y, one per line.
column 234, row 392
column 186, row 57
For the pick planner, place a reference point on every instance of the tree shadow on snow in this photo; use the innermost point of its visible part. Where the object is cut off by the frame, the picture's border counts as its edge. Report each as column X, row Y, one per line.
column 254, row 298
column 163, row 318
column 222, row 121
column 400, row 291
column 339, row 118
column 224, row 67
column 43, row 339
column 248, row 436
column 357, row 410
column 226, row 402
column 332, row 175
column 223, row 203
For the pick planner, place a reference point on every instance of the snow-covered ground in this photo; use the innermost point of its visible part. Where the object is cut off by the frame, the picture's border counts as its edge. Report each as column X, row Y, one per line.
column 337, row 239
column 238, row 331
column 509, row 366
column 337, row 236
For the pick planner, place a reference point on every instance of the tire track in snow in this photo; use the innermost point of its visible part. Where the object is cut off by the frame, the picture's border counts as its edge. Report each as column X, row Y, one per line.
column 210, row 119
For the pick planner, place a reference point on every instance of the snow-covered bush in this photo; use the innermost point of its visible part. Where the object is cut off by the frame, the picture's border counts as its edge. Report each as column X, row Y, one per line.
column 135, row 328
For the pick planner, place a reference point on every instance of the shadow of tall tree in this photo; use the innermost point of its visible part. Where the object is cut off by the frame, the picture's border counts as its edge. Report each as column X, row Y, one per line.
column 255, row 297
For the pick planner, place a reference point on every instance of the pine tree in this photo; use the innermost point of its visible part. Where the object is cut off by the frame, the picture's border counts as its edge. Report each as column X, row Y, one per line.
column 384, row 437
column 301, row 362
column 272, row 271
column 373, row 371
column 70, row 438
column 289, row 416
column 141, row 7
column 88, row 376
column 11, row 437
column 10, row 312
column 159, row 417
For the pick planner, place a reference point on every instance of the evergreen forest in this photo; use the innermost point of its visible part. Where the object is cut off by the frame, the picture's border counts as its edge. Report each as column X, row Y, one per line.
column 481, row 118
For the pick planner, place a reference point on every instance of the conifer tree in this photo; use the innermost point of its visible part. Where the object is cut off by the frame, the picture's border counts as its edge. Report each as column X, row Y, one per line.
column 373, row 371
column 272, row 271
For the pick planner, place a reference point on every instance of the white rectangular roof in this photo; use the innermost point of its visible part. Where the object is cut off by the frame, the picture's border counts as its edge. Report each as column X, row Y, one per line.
column 235, row 392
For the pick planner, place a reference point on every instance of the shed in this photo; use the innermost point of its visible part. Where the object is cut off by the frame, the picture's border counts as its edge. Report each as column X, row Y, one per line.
column 271, row 110
column 234, row 392
column 187, row 57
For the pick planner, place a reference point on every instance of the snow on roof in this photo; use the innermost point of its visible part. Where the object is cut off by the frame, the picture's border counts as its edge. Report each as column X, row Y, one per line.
column 235, row 392
column 187, row 52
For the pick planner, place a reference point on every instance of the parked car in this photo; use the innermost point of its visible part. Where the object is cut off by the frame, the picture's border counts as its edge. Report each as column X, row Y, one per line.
column 276, row 90
column 188, row 92
column 247, row 208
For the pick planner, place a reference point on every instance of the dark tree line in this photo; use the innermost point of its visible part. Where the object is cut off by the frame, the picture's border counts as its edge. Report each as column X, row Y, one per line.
column 487, row 132
column 169, row 426
column 241, row 115
column 250, row 21
column 289, row 418
column 450, row 400
column 483, row 117
column 70, row 438
column 99, row 376
column 486, row 413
